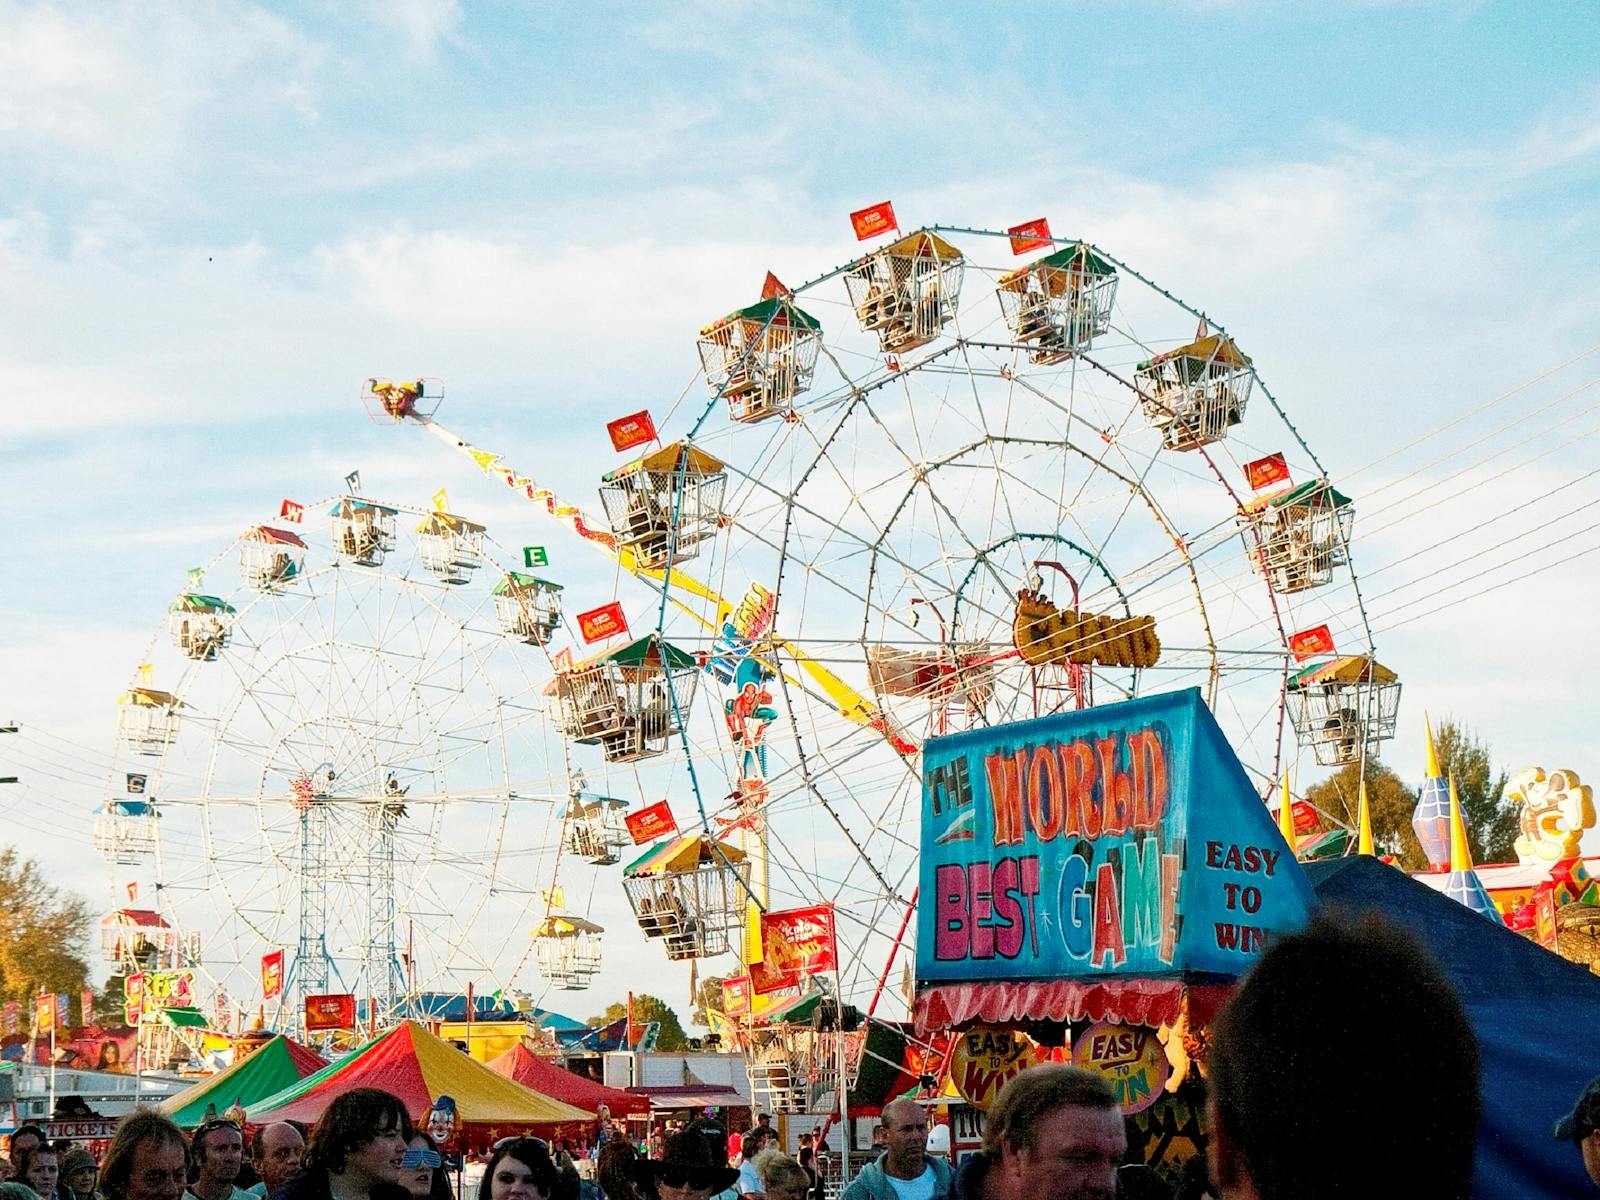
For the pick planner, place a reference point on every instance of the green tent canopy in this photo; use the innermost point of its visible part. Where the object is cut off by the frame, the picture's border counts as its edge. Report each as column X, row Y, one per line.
column 194, row 602
column 267, row 1071
column 651, row 651
column 516, row 579
column 183, row 1018
column 1314, row 493
column 777, row 311
column 1076, row 257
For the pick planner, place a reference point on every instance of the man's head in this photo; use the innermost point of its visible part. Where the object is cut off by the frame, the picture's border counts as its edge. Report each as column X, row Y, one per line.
column 905, row 1137
column 755, row 1141
column 1316, row 1058
column 38, row 1167
column 1055, row 1131
column 362, row 1136
column 1581, row 1126
column 764, row 1120
column 217, row 1151
column 79, row 1171
column 148, row 1159
column 276, row 1153
column 23, row 1138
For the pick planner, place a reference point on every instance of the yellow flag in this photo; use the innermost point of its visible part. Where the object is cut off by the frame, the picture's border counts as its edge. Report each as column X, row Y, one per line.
column 483, row 458
column 145, row 670
column 441, row 500
column 555, row 897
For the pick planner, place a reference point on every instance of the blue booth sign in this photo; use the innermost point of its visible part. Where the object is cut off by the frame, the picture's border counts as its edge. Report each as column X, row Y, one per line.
column 1122, row 840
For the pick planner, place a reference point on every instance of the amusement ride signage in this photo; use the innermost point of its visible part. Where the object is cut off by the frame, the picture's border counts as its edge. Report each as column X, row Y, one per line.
column 984, row 1060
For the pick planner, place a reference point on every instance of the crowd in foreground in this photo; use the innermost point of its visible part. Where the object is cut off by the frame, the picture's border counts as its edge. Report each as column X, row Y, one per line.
column 1302, row 1105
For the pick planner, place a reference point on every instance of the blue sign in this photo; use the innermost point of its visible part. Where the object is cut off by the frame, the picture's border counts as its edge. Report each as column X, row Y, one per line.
column 1123, row 840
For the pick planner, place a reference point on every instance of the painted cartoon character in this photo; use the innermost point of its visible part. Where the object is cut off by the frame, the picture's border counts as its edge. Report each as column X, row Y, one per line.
column 443, row 1124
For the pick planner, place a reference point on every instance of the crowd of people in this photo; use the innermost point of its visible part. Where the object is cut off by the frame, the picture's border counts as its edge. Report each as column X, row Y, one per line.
column 1311, row 1095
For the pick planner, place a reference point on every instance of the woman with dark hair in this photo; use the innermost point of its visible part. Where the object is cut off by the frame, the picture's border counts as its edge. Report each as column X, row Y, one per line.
column 355, row 1150
column 422, row 1171
column 522, row 1169
column 617, row 1170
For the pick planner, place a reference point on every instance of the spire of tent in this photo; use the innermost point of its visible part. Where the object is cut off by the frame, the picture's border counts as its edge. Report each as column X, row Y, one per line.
column 1463, row 885
column 1431, row 819
column 1286, row 814
column 1364, row 824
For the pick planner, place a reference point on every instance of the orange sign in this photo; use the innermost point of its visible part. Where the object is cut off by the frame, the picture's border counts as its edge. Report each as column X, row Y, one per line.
column 736, row 996
column 606, row 621
column 1030, row 235
column 870, row 222
column 773, row 288
column 650, row 823
column 631, row 430
column 1129, row 1058
column 1264, row 472
column 794, row 943
column 291, row 512
column 985, row 1060
column 1316, row 640
column 337, row 1011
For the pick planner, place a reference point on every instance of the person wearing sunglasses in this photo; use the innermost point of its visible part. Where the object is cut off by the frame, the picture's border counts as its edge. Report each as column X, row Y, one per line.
column 688, row 1169
column 522, row 1169
column 216, row 1154
column 422, row 1171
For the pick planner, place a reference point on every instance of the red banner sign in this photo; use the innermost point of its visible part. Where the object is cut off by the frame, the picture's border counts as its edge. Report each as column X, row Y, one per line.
column 133, row 998
column 773, row 288
column 1309, row 642
column 1305, row 817
column 331, row 1012
column 736, row 996
column 651, row 823
column 292, row 512
column 44, row 1013
column 1030, row 235
column 631, row 430
column 606, row 621
column 1264, row 472
column 794, row 943
column 870, row 222
column 271, row 974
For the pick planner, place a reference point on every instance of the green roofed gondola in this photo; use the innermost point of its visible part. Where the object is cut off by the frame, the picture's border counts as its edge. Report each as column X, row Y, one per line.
column 630, row 701
column 690, row 891
column 1342, row 707
column 1302, row 534
column 760, row 357
column 1060, row 303
column 199, row 625
column 529, row 608
column 363, row 531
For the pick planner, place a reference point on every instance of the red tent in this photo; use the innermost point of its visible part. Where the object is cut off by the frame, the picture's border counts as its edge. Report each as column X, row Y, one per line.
column 543, row 1076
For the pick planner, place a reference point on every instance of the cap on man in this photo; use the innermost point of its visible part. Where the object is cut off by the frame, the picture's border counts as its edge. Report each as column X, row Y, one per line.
column 1054, row 1131
column 216, row 1152
column 903, row 1171
column 79, row 1172
column 1313, row 1071
column 275, row 1153
column 1581, row 1126
column 148, row 1159
column 355, row 1149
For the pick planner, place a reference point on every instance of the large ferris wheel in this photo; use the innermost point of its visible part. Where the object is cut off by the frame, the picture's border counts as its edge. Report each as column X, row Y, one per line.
column 336, row 752
column 940, row 486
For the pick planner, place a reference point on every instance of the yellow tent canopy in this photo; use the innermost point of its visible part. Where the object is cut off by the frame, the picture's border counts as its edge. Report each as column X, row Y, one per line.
column 922, row 242
column 143, row 697
column 443, row 522
column 680, row 456
column 564, row 925
column 1211, row 347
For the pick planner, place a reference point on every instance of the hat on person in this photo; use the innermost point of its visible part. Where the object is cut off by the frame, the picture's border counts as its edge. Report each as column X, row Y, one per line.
column 688, row 1159
column 1584, row 1118
column 77, row 1159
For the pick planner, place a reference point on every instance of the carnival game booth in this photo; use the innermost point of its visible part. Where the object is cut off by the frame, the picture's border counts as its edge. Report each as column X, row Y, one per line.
column 550, row 1079
column 1535, row 1015
column 1057, row 857
column 413, row 1064
column 278, row 1064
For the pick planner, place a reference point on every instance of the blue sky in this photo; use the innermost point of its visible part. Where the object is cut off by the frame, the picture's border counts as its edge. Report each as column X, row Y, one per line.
column 216, row 219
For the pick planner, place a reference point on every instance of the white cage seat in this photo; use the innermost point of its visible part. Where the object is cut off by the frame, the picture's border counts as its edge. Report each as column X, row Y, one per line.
column 200, row 625
column 691, row 893
column 1057, row 305
column 148, row 720
column 759, row 358
column 1303, row 534
column 623, row 699
column 1343, row 707
column 271, row 559
column 529, row 608
column 363, row 532
column 664, row 504
column 451, row 546
column 906, row 292
column 125, row 831
column 1196, row 393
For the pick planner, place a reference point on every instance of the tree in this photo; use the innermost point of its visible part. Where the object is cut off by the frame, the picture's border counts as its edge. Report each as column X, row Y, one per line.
column 1391, row 802
column 707, row 998
column 44, row 933
column 1490, row 818
column 645, row 1010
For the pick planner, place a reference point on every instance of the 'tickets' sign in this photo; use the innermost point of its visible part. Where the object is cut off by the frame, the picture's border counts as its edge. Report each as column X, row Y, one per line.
column 1129, row 1057
column 794, row 944
column 336, row 1011
column 651, row 823
column 1124, row 839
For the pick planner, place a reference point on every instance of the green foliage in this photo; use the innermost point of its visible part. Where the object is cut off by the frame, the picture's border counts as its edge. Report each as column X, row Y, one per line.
column 707, row 998
column 44, row 933
column 1392, row 804
column 645, row 1010
column 1490, row 818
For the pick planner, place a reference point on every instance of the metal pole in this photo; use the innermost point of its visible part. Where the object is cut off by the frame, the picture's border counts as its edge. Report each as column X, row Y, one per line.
column 844, row 1087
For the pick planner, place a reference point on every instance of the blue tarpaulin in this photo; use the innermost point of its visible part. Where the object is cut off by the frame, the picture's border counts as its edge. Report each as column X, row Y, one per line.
column 1536, row 1016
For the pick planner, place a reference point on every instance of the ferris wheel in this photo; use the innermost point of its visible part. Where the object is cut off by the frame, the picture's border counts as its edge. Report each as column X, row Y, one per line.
column 942, row 486
column 338, row 751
